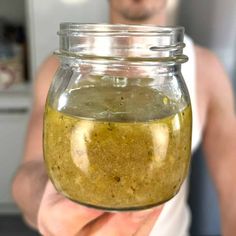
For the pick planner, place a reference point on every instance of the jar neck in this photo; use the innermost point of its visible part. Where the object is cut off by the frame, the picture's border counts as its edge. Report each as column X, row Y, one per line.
column 130, row 43
column 141, row 69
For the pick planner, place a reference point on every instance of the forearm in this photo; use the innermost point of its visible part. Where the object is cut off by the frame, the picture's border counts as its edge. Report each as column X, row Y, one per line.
column 221, row 160
column 228, row 213
column 226, row 186
column 28, row 187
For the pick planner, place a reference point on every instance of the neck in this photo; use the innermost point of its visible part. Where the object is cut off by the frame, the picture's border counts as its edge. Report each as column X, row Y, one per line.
column 158, row 19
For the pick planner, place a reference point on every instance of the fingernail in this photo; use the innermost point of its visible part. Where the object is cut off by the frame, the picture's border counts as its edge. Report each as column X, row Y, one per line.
column 141, row 215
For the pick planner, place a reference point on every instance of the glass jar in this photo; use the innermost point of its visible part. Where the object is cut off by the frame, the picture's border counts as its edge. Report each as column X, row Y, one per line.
column 117, row 123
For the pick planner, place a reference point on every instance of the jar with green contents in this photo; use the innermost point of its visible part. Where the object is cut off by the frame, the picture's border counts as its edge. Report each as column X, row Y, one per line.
column 117, row 123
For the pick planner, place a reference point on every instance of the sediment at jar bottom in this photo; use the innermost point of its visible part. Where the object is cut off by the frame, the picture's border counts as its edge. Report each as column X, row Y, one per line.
column 117, row 165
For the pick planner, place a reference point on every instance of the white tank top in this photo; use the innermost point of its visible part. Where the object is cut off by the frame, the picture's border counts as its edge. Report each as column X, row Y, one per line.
column 174, row 219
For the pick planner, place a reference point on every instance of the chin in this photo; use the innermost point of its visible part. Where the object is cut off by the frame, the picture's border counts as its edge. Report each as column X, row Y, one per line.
column 138, row 9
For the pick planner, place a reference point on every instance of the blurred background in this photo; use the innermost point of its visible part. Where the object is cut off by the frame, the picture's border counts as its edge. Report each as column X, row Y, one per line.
column 28, row 35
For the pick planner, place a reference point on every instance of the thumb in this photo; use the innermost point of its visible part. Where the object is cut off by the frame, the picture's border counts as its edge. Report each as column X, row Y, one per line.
column 146, row 227
column 125, row 224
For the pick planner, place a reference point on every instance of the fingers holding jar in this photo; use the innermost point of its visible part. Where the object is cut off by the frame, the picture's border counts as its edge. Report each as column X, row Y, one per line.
column 60, row 216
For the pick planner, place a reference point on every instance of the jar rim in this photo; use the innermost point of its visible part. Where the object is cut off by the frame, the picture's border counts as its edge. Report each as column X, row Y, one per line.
column 112, row 29
column 122, row 42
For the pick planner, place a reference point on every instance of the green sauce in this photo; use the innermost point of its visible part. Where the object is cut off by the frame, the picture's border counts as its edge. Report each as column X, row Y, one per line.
column 101, row 156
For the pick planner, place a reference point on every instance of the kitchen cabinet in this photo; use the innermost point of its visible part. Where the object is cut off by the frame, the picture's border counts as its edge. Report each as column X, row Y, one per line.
column 15, row 100
column 14, row 113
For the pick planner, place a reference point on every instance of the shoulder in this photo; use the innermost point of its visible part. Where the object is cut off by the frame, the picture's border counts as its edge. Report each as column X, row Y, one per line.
column 207, row 61
column 48, row 67
column 212, row 82
column 44, row 78
column 210, row 71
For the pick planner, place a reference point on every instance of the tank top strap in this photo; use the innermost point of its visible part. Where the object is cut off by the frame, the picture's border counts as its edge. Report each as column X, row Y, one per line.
column 189, row 74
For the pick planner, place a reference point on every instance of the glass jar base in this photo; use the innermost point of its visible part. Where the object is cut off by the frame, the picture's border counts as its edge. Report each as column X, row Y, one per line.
column 120, row 209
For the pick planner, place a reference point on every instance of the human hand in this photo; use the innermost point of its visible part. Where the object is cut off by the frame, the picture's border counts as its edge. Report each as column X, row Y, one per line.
column 59, row 216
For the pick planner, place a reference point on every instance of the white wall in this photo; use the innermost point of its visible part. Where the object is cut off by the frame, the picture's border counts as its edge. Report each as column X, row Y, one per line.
column 44, row 18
